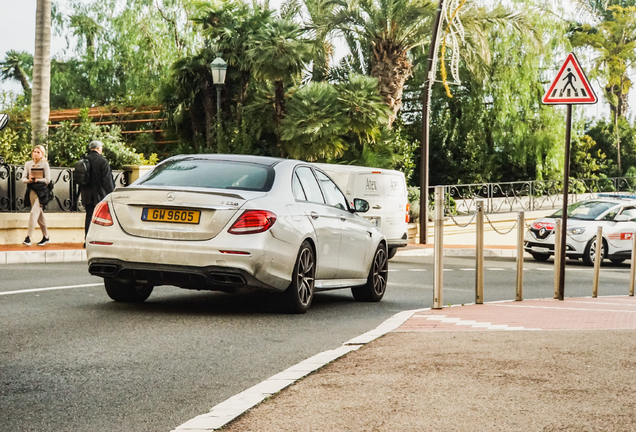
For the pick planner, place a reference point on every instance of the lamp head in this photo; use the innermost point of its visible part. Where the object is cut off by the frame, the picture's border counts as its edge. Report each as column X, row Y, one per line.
column 218, row 67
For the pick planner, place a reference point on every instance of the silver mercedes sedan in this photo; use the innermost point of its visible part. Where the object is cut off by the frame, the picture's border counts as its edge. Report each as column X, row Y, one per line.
column 236, row 223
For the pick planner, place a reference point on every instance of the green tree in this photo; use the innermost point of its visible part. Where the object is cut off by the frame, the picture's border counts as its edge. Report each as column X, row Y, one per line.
column 340, row 122
column 17, row 66
column 587, row 160
column 69, row 142
column 614, row 41
column 124, row 49
column 279, row 55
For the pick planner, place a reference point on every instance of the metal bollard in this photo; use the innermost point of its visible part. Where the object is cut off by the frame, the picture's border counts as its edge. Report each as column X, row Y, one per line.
column 597, row 261
column 520, row 232
column 479, row 253
column 557, row 256
column 632, row 270
column 438, row 277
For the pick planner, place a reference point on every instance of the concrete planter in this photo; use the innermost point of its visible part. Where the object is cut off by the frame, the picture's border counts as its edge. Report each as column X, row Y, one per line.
column 134, row 172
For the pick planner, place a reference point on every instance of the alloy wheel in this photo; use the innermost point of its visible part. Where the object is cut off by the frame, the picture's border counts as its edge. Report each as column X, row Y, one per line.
column 305, row 277
column 380, row 270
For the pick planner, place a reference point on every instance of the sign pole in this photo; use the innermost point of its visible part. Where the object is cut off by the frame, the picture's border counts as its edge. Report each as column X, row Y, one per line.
column 570, row 86
column 564, row 213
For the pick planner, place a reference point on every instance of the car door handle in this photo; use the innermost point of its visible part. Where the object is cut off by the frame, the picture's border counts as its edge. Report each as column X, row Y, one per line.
column 343, row 218
column 314, row 215
column 377, row 207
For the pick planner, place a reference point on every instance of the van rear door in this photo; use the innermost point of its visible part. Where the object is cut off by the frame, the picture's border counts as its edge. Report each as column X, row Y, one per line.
column 387, row 197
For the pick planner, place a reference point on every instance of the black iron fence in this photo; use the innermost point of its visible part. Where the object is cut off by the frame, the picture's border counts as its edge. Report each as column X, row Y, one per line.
column 529, row 195
column 67, row 199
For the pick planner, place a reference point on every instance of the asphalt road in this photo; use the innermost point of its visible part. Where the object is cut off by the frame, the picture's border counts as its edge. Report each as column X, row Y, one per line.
column 72, row 360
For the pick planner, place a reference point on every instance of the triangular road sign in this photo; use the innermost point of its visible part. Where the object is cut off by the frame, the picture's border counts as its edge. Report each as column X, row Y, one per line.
column 570, row 85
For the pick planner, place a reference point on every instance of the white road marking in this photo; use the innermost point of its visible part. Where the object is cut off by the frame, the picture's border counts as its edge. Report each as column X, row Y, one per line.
column 49, row 289
column 417, row 270
column 495, row 269
column 566, row 308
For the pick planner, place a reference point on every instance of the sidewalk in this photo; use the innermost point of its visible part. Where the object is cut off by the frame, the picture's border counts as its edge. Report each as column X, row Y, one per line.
column 536, row 365
column 52, row 252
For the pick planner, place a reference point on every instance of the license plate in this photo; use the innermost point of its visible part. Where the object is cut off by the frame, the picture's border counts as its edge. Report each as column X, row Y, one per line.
column 175, row 216
column 540, row 249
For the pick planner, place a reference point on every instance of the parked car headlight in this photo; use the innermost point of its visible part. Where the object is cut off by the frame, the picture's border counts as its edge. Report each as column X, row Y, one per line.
column 576, row 231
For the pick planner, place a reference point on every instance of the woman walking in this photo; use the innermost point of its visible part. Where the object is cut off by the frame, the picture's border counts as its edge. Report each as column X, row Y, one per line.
column 37, row 176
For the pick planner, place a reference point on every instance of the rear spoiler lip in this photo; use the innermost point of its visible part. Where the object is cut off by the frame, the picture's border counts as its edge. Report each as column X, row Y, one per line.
column 170, row 189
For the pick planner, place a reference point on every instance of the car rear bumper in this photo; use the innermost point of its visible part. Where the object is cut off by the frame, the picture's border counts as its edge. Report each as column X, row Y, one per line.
column 400, row 242
column 260, row 261
column 213, row 277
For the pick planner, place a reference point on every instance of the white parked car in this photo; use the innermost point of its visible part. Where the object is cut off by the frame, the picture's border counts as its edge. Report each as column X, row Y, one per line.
column 233, row 223
column 386, row 192
column 615, row 213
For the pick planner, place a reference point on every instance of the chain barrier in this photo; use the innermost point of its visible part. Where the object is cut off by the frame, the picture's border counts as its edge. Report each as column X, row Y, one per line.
column 496, row 230
column 460, row 225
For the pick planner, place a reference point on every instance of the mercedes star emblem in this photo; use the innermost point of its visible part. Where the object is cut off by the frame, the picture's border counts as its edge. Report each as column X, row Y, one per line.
column 170, row 196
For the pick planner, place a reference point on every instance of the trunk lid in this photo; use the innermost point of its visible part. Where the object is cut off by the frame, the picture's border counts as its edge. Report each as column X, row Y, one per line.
column 187, row 214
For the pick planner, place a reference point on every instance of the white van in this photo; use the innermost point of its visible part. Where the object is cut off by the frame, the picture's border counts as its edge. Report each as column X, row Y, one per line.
column 386, row 192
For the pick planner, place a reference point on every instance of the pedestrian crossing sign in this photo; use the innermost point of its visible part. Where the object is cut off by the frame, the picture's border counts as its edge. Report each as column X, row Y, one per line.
column 570, row 86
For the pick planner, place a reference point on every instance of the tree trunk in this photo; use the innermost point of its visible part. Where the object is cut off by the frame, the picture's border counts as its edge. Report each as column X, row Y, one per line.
column 40, row 101
column 392, row 68
column 244, row 83
column 21, row 76
column 208, row 106
column 279, row 113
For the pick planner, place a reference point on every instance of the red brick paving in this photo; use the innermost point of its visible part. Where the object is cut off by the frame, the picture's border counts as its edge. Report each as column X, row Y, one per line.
column 603, row 313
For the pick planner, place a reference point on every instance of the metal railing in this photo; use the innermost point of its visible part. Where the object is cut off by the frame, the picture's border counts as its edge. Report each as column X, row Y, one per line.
column 509, row 197
column 67, row 199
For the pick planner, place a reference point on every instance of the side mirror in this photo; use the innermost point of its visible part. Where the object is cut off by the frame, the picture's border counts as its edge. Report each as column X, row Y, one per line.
column 4, row 120
column 621, row 218
column 360, row 205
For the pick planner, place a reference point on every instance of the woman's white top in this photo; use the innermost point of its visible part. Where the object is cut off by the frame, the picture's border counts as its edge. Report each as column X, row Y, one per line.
column 26, row 175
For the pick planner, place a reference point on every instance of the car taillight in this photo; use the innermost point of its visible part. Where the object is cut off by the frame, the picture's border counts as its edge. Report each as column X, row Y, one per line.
column 408, row 209
column 252, row 222
column 101, row 215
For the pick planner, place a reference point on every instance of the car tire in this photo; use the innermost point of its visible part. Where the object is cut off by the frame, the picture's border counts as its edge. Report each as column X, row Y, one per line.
column 374, row 289
column 127, row 292
column 540, row 256
column 392, row 252
column 298, row 296
column 590, row 251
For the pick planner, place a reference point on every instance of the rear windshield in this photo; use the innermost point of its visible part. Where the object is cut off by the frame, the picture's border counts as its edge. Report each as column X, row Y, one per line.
column 213, row 174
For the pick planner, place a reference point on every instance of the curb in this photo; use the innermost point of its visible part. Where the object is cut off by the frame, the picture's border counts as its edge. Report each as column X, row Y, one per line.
column 79, row 255
column 226, row 411
column 459, row 252
column 42, row 256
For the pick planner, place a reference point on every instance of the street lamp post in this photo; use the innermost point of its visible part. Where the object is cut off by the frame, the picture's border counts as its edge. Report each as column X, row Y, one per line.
column 219, row 68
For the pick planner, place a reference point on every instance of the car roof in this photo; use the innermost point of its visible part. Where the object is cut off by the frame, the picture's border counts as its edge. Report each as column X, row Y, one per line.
column 615, row 198
column 260, row 160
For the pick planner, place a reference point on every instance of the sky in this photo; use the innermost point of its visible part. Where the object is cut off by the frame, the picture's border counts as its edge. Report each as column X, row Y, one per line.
column 17, row 32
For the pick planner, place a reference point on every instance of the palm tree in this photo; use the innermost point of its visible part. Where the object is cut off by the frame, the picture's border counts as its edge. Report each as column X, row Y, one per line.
column 17, row 66
column 41, row 73
column 279, row 54
column 230, row 27
column 614, row 40
column 381, row 35
column 384, row 32
column 324, row 121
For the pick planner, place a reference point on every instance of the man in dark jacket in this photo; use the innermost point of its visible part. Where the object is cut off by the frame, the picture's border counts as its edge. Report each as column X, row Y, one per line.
column 101, row 181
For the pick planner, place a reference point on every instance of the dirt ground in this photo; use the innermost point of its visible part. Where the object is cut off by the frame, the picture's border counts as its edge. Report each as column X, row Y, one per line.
column 465, row 381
